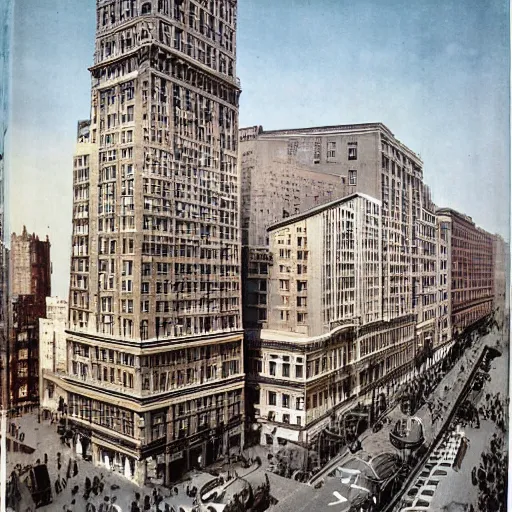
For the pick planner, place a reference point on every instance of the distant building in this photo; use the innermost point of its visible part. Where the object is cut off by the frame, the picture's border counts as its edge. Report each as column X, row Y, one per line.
column 501, row 252
column 472, row 269
column 52, row 348
column 30, row 268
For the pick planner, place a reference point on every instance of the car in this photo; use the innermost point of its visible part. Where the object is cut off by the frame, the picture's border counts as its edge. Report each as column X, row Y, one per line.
column 439, row 472
column 427, row 491
column 421, row 503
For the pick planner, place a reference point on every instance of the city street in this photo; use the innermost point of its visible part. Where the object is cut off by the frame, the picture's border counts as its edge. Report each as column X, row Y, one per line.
column 457, row 486
column 375, row 443
column 44, row 438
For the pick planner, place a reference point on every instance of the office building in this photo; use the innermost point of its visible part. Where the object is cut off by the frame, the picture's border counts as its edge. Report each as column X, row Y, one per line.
column 471, row 267
column 52, row 348
column 327, row 346
column 155, row 344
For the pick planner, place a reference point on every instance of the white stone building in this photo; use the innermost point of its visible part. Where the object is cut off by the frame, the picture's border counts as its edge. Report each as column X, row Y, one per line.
column 52, row 348
column 327, row 346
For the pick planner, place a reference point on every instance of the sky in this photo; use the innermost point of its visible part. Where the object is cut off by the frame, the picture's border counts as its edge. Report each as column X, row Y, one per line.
column 436, row 72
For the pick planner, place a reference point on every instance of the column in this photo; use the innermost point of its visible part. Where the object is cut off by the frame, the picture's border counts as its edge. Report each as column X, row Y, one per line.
column 140, row 474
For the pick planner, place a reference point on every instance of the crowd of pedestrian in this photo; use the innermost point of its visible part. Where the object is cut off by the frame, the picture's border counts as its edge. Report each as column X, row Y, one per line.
column 491, row 476
column 494, row 409
column 417, row 391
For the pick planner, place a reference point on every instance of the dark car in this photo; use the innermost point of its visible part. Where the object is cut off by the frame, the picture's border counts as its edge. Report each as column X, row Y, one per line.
column 38, row 482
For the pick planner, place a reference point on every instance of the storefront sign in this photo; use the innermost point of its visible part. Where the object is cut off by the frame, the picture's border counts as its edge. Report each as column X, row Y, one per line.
column 176, row 456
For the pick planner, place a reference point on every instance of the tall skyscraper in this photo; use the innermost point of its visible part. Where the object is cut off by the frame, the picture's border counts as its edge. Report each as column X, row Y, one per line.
column 155, row 376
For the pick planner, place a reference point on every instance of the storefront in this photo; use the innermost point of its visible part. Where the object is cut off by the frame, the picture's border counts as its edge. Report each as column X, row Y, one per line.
column 118, row 462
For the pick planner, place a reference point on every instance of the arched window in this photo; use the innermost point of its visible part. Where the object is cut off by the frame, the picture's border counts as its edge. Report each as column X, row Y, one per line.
column 146, row 8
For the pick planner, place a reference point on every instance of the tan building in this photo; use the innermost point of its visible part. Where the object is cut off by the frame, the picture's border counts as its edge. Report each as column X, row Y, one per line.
column 52, row 347
column 337, row 161
column 275, row 185
column 501, row 257
column 155, row 378
column 346, row 159
column 327, row 346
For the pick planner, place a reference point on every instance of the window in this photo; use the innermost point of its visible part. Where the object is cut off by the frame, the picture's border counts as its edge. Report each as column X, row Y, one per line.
column 284, row 285
column 286, row 418
column 272, row 368
column 269, row 439
column 299, row 404
column 352, row 177
column 286, row 369
column 352, row 150
column 331, row 149
column 299, row 420
column 302, row 286
column 301, row 318
column 272, row 398
column 286, row 401
column 299, row 371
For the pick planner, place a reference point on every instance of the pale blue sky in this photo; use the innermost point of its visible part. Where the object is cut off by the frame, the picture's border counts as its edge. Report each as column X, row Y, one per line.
column 436, row 72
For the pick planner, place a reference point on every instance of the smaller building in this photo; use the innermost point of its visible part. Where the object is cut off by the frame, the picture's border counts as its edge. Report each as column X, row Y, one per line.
column 52, row 347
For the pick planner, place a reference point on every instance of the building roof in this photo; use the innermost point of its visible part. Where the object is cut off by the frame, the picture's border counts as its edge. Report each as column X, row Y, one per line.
column 257, row 132
column 462, row 216
column 337, row 128
column 319, row 209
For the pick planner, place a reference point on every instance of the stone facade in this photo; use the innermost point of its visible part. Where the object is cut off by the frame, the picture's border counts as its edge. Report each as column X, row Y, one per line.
column 155, row 377
column 328, row 345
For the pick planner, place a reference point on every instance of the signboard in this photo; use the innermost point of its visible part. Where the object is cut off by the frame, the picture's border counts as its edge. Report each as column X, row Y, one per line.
column 176, row 456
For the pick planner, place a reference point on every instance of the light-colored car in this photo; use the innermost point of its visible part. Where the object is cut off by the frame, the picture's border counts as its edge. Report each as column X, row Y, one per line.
column 426, row 492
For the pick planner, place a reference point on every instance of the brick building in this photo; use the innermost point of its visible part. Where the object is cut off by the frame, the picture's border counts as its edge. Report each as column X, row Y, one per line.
column 30, row 284
column 471, row 267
